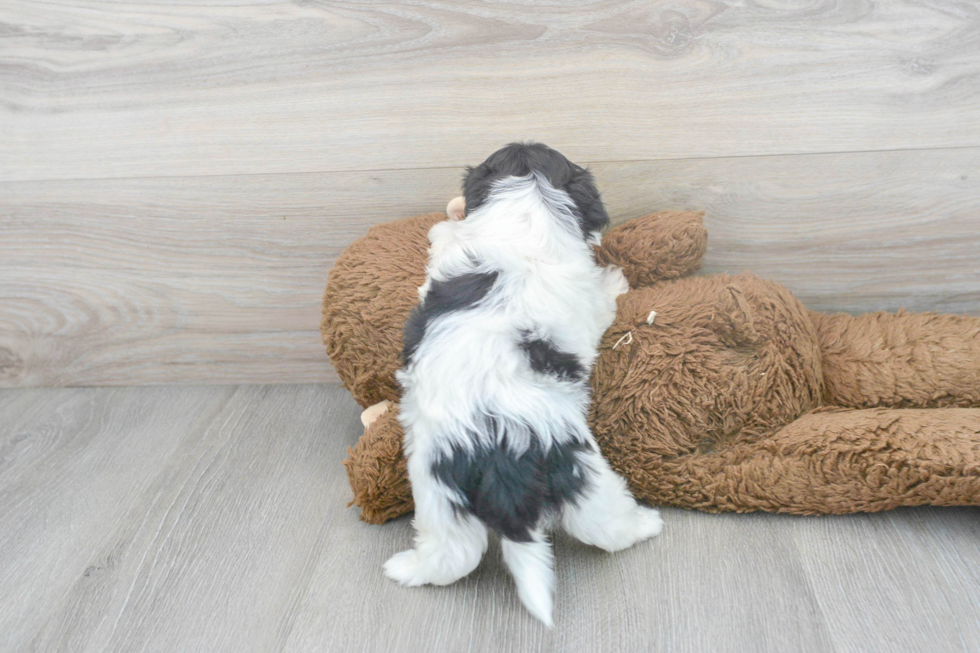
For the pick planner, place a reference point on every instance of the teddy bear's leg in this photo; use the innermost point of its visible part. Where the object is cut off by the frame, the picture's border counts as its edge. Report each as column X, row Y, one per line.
column 448, row 543
column 900, row 360
column 377, row 469
column 833, row 461
column 608, row 516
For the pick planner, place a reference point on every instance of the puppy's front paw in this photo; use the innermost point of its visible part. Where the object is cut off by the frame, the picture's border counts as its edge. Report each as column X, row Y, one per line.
column 648, row 523
column 616, row 283
column 441, row 234
column 404, row 568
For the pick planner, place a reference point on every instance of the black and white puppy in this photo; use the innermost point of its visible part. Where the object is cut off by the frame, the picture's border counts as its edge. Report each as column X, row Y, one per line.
column 496, row 368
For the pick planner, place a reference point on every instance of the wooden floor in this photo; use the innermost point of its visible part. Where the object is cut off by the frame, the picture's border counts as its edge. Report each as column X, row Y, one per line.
column 176, row 179
column 215, row 519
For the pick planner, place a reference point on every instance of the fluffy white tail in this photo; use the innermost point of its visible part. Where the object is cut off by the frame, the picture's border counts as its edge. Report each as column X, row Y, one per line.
column 532, row 565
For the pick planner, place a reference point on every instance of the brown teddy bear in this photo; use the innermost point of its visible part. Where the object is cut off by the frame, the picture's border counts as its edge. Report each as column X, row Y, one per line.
column 710, row 392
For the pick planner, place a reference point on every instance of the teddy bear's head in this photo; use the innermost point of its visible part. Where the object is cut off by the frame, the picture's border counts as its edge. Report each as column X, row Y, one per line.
column 698, row 364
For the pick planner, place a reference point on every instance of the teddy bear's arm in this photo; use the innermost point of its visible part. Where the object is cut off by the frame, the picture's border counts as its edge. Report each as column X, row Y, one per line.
column 655, row 247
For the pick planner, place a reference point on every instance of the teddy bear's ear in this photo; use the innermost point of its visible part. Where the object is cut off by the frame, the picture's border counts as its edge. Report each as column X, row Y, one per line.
column 656, row 247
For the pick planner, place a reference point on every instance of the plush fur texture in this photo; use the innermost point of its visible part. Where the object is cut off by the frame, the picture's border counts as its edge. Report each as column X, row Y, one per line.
column 367, row 288
column 734, row 398
column 495, row 380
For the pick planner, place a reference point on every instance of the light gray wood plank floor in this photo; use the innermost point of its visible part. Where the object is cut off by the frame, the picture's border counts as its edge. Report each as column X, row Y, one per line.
column 215, row 519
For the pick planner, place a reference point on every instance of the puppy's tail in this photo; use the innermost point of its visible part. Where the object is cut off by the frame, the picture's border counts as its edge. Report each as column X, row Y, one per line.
column 532, row 565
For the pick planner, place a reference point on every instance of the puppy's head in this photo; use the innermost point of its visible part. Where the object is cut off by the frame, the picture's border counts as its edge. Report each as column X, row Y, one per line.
column 523, row 159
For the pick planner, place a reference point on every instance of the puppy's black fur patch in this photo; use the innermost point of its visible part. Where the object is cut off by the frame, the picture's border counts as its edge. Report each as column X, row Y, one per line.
column 520, row 160
column 455, row 294
column 508, row 492
column 548, row 359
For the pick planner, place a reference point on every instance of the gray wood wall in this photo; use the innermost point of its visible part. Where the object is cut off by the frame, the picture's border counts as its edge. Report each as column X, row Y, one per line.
column 176, row 180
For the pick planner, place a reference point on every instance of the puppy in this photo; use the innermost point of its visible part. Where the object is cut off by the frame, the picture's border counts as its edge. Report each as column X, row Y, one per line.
column 497, row 359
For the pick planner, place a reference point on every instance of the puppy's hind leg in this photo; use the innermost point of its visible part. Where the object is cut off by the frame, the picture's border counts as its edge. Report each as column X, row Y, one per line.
column 532, row 565
column 607, row 515
column 448, row 542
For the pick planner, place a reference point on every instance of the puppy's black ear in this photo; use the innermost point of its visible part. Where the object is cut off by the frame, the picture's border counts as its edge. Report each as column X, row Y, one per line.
column 591, row 212
column 477, row 183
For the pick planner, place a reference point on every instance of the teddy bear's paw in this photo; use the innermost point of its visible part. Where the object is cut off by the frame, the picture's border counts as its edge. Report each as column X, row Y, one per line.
column 405, row 568
column 648, row 523
column 456, row 209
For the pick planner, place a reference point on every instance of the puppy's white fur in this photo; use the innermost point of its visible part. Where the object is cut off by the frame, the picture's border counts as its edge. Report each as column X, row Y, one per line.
column 469, row 364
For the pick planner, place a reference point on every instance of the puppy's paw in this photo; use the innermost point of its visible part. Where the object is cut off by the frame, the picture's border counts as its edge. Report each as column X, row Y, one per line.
column 648, row 523
column 441, row 235
column 404, row 568
column 615, row 281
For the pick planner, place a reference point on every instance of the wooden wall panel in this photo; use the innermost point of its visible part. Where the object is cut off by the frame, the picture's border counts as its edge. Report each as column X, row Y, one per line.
column 218, row 279
column 851, row 232
column 90, row 89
